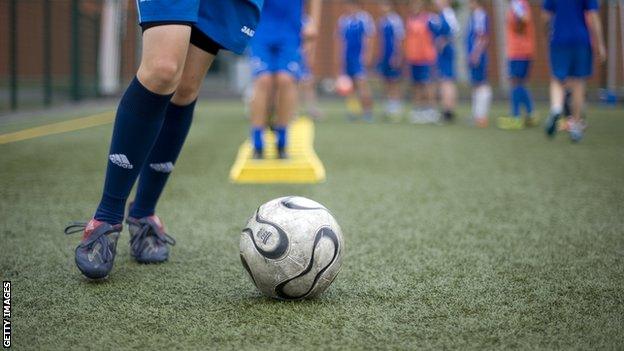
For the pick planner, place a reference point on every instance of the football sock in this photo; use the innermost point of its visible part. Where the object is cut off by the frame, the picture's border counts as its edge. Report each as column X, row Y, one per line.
column 139, row 119
column 281, row 133
column 396, row 106
column 482, row 100
column 516, row 99
column 256, row 138
column 162, row 158
column 526, row 99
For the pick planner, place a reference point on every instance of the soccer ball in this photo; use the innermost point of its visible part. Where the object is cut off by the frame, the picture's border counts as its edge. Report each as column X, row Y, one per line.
column 344, row 85
column 292, row 248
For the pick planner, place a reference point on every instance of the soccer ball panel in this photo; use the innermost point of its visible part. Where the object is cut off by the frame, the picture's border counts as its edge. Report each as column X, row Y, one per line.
column 324, row 255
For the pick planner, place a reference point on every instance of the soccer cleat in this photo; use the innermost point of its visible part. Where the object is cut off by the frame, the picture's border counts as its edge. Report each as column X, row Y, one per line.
column 449, row 116
column 577, row 130
column 281, row 153
column 510, row 123
column 148, row 239
column 257, row 154
column 96, row 252
column 354, row 107
column 551, row 124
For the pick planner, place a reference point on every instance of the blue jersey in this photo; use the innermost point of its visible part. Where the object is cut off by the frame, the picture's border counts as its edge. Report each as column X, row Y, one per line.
column 353, row 30
column 478, row 26
column 568, row 25
column 280, row 21
column 391, row 33
column 449, row 27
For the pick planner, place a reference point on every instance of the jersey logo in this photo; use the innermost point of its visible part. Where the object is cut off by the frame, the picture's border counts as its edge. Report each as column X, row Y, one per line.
column 248, row 31
column 120, row 160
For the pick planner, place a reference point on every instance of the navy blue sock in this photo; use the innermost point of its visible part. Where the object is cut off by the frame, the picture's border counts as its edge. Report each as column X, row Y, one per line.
column 281, row 136
column 139, row 118
column 515, row 101
column 527, row 101
column 256, row 138
column 162, row 159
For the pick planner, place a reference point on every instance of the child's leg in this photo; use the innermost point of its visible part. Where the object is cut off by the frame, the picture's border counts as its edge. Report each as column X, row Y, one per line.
column 448, row 92
column 287, row 99
column 365, row 95
column 178, row 118
column 577, row 86
column 140, row 114
column 259, row 109
column 482, row 100
column 430, row 95
column 393, row 93
column 516, row 97
column 557, row 96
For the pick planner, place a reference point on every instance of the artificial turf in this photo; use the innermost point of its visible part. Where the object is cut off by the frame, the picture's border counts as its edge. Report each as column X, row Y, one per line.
column 457, row 238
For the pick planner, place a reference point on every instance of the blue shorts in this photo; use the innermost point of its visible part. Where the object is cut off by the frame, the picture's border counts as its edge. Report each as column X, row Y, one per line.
column 519, row 69
column 389, row 72
column 271, row 58
column 446, row 64
column 355, row 69
column 572, row 61
column 421, row 74
column 229, row 23
column 478, row 73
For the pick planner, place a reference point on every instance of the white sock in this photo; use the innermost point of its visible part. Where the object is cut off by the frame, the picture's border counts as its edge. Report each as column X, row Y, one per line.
column 482, row 99
column 556, row 110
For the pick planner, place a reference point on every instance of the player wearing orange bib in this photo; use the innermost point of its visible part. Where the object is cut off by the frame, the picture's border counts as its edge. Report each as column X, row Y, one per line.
column 520, row 53
column 421, row 55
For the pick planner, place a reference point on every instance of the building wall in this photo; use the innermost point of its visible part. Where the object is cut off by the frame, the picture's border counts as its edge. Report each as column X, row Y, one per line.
column 30, row 34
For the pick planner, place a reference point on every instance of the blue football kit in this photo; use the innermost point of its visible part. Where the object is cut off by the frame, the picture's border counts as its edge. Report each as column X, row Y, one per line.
column 391, row 33
column 231, row 24
column 478, row 26
column 353, row 30
column 570, row 41
column 276, row 46
column 449, row 27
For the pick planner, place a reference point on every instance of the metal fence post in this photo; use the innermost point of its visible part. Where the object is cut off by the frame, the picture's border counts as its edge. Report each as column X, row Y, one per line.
column 76, row 94
column 13, row 53
column 47, row 53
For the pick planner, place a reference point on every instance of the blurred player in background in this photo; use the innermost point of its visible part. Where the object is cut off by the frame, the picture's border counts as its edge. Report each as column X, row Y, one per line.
column 520, row 53
column 420, row 53
column 445, row 44
column 390, row 66
column 477, row 44
column 153, row 120
column 275, row 61
column 571, row 57
column 307, row 81
column 354, row 49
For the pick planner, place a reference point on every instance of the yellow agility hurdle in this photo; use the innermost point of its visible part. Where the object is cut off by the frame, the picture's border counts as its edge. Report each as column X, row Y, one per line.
column 302, row 165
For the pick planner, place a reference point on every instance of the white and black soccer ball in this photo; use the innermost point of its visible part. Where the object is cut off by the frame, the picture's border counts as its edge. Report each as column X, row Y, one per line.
column 292, row 248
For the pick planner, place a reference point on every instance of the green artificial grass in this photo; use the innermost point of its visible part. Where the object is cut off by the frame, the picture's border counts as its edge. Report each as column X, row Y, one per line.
column 456, row 238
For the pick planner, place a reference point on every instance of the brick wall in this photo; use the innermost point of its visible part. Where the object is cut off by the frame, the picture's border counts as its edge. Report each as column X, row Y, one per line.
column 30, row 43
